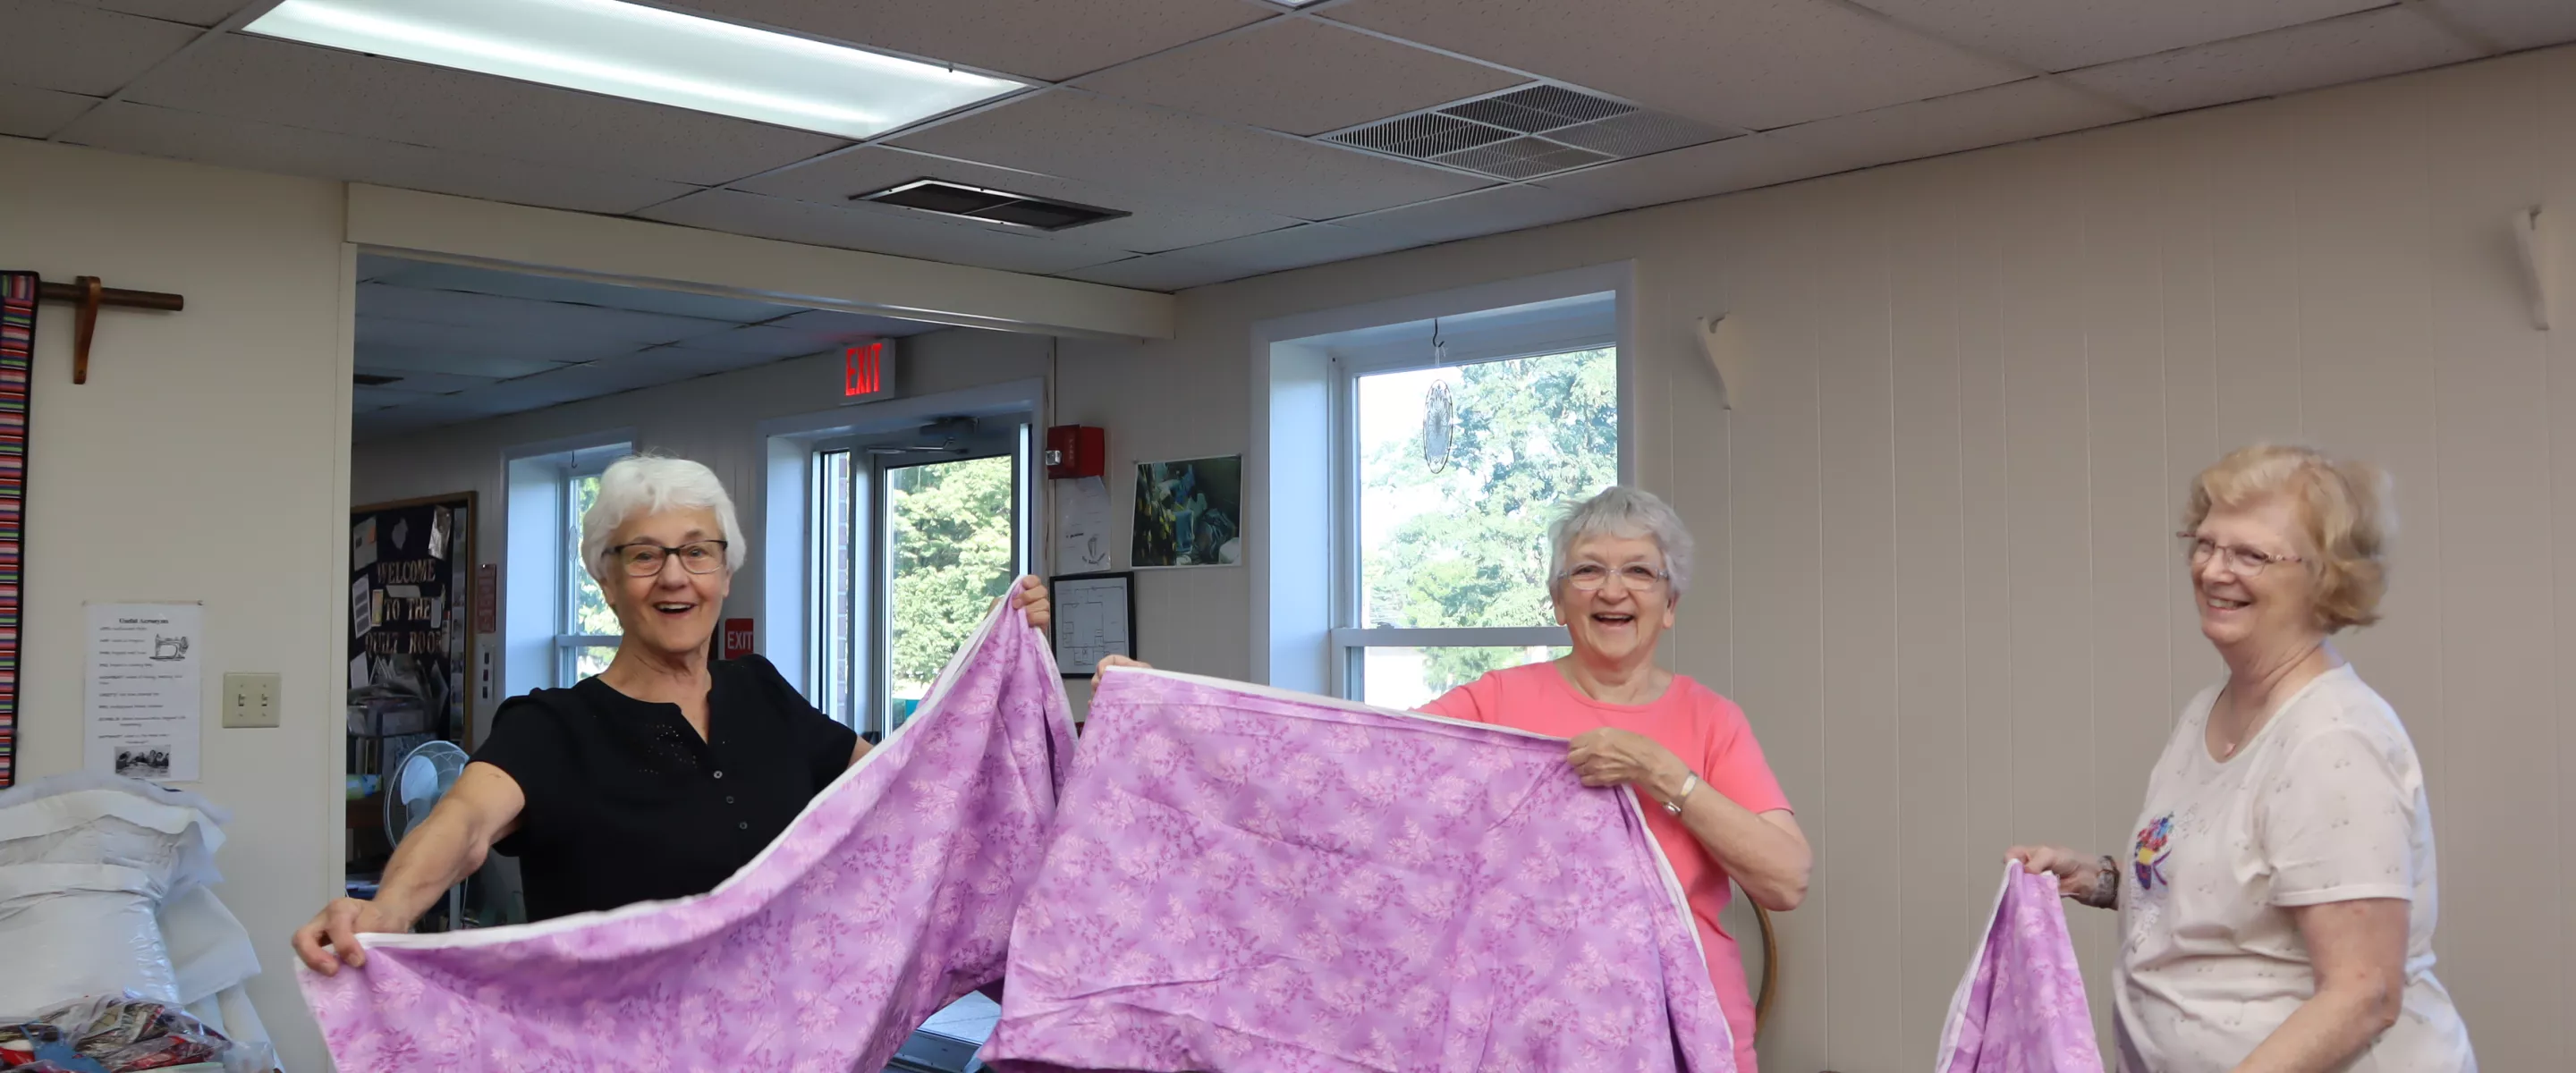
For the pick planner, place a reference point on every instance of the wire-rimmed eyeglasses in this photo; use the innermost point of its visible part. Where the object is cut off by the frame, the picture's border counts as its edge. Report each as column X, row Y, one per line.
column 1635, row 577
column 2245, row 561
column 644, row 558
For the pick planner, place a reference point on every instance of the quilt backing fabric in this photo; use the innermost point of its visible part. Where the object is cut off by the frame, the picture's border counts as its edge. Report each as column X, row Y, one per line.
column 1249, row 880
column 889, row 897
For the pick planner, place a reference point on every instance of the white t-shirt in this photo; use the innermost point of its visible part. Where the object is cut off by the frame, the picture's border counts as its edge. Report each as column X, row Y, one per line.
column 2325, row 804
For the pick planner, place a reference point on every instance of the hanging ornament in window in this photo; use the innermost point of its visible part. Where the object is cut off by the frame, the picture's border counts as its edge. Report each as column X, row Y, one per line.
column 1439, row 414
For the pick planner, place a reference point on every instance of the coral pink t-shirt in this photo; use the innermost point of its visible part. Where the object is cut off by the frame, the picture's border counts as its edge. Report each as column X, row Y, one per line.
column 1708, row 732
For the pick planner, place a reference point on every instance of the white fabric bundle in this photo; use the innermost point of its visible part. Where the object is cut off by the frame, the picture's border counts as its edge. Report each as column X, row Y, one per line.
column 87, row 865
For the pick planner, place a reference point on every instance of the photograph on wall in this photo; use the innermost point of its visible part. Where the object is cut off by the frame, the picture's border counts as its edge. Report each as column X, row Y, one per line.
column 1189, row 513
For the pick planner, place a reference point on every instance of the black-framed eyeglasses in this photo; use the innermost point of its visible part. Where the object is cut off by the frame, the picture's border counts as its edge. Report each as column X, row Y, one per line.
column 1636, row 577
column 2245, row 561
column 644, row 558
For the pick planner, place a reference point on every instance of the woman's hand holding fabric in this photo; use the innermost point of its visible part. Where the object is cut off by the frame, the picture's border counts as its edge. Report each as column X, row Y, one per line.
column 2076, row 873
column 1613, row 757
column 1031, row 597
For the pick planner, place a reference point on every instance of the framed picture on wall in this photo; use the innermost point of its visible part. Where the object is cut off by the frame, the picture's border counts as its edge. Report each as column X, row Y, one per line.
column 1095, row 616
column 1188, row 513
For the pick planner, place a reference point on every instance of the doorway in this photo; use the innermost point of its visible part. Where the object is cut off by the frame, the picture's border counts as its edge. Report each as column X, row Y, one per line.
column 920, row 530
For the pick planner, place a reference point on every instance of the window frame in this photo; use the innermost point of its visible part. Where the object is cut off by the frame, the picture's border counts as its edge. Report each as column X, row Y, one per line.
column 1347, row 640
column 576, row 573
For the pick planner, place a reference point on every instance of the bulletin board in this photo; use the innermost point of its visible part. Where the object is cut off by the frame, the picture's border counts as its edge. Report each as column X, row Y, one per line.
column 411, row 616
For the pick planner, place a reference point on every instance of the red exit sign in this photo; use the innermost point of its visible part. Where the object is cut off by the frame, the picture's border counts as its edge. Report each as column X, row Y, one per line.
column 737, row 638
column 863, row 370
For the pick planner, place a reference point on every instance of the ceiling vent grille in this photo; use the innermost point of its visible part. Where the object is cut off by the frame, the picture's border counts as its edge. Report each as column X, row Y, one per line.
column 1526, row 133
column 989, row 206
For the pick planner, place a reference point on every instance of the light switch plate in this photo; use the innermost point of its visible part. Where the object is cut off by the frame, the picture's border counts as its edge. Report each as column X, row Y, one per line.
column 250, row 700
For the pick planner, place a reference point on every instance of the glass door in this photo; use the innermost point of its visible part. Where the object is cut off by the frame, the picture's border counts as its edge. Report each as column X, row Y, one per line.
column 951, row 530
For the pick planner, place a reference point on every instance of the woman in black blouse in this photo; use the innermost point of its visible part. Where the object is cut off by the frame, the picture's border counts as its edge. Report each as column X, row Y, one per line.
column 658, row 778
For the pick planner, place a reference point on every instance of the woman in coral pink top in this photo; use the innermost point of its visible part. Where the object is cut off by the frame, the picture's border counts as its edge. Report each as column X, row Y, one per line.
column 1618, row 565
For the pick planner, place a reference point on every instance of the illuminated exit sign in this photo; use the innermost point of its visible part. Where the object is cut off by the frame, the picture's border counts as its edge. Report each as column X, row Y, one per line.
column 867, row 370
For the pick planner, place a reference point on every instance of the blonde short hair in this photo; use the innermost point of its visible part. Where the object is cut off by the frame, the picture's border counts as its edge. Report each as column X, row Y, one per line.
column 2346, row 507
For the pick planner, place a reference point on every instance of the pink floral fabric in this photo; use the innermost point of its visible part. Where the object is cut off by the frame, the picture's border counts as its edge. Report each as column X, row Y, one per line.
column 1247, row 880
column 888, row 898
column 2021, row 1009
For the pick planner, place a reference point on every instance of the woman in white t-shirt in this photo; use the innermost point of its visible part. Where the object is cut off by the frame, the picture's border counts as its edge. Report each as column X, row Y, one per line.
column 2278, row 900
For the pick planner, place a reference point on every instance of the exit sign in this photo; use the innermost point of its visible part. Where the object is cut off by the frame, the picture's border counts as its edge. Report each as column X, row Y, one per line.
column 867, row 370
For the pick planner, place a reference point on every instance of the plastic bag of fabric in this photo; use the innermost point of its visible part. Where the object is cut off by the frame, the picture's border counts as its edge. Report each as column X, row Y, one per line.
column 2020, row 1008
column 111, row 1034
column 86, row 863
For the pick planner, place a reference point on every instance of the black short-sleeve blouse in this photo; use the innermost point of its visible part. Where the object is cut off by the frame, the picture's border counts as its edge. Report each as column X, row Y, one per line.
column 626, row 803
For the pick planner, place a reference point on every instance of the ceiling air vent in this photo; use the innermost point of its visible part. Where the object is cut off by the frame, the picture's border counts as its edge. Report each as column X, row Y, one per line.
column 989, row 206
column 1527, row 132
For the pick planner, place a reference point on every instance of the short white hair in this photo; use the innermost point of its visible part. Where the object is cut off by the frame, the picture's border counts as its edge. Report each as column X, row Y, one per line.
column 1621, row 511
column 652, row 484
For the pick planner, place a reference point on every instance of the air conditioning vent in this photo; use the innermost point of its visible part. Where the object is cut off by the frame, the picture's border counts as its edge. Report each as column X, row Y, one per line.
column 372, row 379
column 989, row 206
column 1527, row 133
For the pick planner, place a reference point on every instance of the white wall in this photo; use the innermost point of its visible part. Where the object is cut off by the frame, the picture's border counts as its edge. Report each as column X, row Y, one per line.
column 715, row 420
column 1937, row 569
column 204, row 460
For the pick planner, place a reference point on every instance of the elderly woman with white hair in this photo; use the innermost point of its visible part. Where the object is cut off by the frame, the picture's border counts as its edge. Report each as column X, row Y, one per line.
column 1617, row 566
column 2277, row 902
column 656, row 779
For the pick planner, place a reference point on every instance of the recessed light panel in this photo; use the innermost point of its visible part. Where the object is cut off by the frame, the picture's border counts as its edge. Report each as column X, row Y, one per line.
column 646, row 54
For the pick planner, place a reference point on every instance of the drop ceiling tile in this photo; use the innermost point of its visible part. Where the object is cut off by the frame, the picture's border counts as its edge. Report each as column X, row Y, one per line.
column 578, row 382
column 528, row 319
column 421, row 383
column 1698, row 171
column 1051, row 40
column 1297, row 247
column 2060, row 35
column 374, row 425
column 402, row 345
column 364, row 398
column 2383, row 42
column 1165, row 272
column 1740, row 63
column 430, row 413
column 2031, row 108
column 1303, row 76
column 192, row 12
column 240, row 143
column 1132, row 147
column 683, row 360
column 770, row 342
column 2516, row 24
column 82, row 50
column 303, row 86
column 1482, row 212
column 438, row 276
column 29, row 112
column 835, row 326
column 1157, row 222
column 876, row 229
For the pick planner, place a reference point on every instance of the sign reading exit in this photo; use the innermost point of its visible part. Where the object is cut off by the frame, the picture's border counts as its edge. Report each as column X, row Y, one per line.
column 737, row 638
column 867, row 370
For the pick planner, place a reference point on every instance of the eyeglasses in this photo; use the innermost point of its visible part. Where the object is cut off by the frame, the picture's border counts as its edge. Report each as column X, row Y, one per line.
column 1636, row 577
column 643, row 559
column 2245, row 561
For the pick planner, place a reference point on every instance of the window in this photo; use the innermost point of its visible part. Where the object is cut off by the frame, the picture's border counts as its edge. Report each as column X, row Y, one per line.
column 1449, row 556
column 915, row 535
column 556, row 628
column 587, row 636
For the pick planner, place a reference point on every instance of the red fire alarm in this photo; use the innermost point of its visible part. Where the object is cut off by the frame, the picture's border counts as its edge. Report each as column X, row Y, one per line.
column 1075, row 451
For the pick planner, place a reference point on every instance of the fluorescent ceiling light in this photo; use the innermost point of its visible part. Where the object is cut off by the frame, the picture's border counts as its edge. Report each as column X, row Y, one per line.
column 647, row 54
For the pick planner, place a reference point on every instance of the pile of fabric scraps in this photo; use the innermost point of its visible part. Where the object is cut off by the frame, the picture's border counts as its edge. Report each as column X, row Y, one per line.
column 111, row 1035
